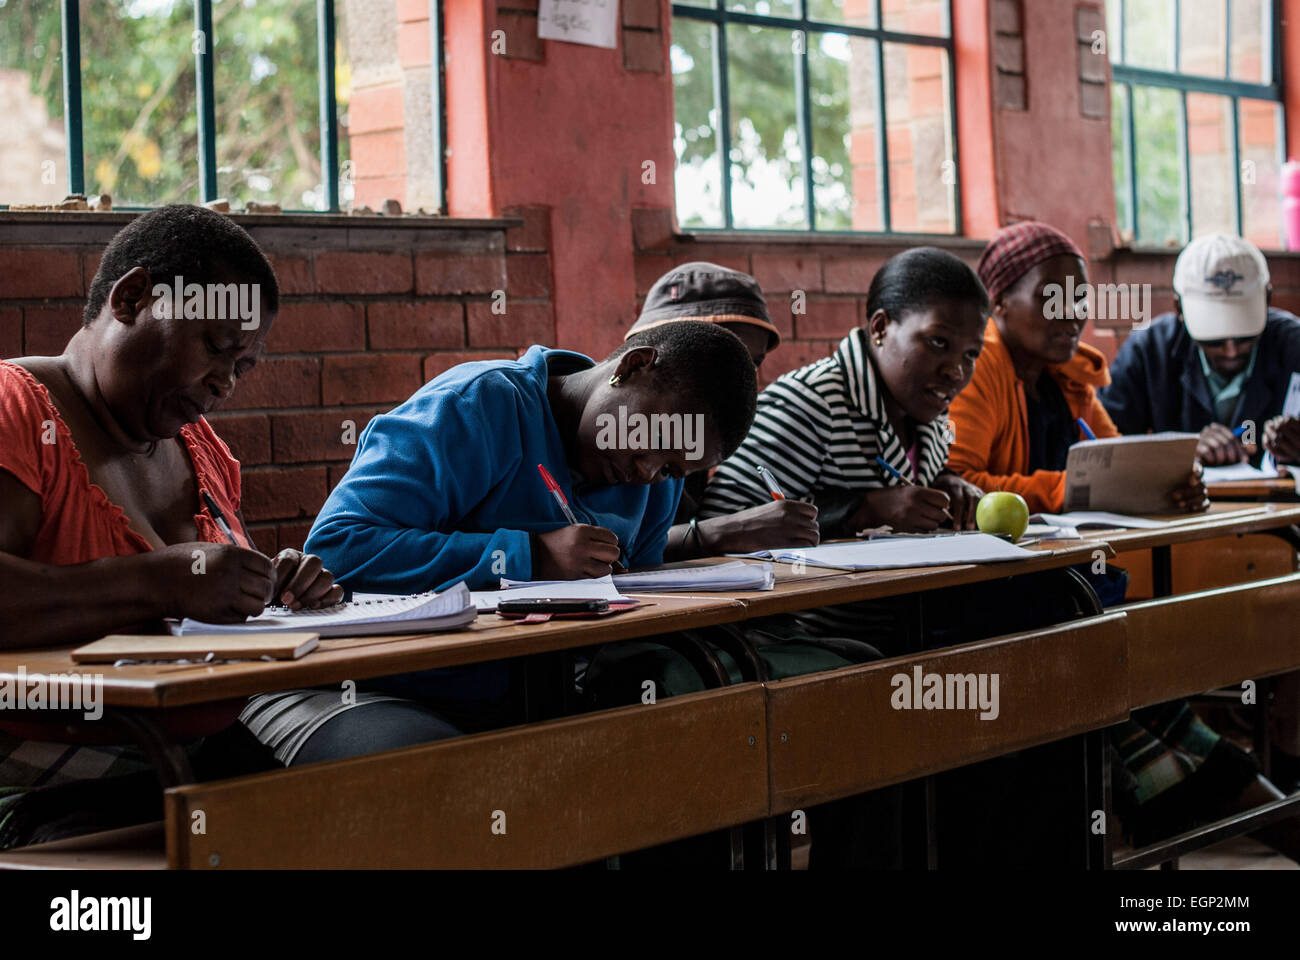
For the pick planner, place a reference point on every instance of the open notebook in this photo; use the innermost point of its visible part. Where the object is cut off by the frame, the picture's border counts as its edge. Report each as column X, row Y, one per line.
column 367, row 614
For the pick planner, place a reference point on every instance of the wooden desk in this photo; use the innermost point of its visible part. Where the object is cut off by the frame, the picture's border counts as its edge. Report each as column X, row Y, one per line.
column 1280, row 488
column 1184, row 645
column 490, row 638
column 336, row 660
column 566, row 792
column 802, row 592
column 1220, row 521
column 838, row 733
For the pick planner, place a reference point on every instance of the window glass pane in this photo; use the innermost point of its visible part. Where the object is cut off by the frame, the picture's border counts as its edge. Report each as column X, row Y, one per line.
column 1119, row 156
column 1260, row 128
column 1251, row 38
column 695, row 3
column 1209, row 153
column 137, row 95
column 774, row 8
column 1202, row 46
column 921, row 170
column 1149, row 33
column 1159, row 172
column 858, row 13
column 267, row 114
column 843, row 95
column 343, row 89
column 767, row 167
column 33, row 150
column 695, row 138
column 929, row 17
column 1112, row 33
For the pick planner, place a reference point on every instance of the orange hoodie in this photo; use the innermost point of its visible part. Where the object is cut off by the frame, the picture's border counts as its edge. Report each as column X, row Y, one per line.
column 991, row 423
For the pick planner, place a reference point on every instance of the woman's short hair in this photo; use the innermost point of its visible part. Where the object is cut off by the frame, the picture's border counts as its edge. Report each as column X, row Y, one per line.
column 182, row 240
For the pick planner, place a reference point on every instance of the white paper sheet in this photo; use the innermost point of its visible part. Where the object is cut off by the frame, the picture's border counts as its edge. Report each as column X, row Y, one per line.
column 1236, row 471
column 593, row 22
column 1291, row 405
column 713, row 577
column 890, row 554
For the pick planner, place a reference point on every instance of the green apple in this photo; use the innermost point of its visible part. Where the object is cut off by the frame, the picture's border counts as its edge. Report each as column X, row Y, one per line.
column 1002, row 512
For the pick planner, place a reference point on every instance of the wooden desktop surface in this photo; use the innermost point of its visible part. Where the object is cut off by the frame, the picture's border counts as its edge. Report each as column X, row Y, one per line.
column 491, row 638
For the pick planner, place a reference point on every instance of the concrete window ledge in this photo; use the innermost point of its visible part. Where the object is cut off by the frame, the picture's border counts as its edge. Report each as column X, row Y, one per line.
column 281, row 231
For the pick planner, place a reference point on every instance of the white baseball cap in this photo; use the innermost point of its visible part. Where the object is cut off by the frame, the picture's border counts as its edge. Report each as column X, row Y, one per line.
column 1222, row 282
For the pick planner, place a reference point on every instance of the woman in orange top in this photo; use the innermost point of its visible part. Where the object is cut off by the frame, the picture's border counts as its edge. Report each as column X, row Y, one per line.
column 1014, row 423
column 104, row 451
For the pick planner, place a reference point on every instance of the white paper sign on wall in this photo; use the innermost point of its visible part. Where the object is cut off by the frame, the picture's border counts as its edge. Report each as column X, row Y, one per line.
column 593, row 22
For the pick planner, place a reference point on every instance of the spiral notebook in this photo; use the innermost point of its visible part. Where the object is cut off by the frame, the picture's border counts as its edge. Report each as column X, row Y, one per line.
column 367, row 614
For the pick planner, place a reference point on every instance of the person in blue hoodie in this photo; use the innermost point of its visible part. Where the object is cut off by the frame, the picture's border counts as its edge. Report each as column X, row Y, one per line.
column 446, row 488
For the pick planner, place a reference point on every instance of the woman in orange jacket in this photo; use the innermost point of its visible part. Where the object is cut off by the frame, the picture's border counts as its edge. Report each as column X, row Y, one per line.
column 1014, row 423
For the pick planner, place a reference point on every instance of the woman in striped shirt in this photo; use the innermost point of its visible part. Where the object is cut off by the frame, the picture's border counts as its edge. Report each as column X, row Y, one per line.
column 823, row 429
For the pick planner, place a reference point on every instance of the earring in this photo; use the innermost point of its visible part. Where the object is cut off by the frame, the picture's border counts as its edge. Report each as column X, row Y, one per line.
column 879, row 340
column 615, row 380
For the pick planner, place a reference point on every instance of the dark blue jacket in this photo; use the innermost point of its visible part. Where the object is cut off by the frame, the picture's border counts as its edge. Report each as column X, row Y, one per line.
column 1156, row 381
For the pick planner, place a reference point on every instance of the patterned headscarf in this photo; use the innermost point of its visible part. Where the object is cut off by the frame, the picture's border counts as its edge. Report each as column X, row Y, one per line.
column 1017, row 249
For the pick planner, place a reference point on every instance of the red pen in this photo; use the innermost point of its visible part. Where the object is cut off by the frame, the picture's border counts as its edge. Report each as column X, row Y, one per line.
column 773, row 487
column 557, row 493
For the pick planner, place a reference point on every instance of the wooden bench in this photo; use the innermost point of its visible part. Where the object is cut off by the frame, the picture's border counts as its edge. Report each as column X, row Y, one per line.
column 837, row 734
column 564, row 792
column 1184, row 645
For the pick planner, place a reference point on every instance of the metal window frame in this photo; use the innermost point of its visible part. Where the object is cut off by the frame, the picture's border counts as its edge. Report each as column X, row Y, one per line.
column 719, row 17
column 1185, row 83
column 205, row 103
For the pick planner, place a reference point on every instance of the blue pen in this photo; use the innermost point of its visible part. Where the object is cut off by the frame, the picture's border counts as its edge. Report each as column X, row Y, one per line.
column 1239, row 431
column 1086, row 431
column 888, row 467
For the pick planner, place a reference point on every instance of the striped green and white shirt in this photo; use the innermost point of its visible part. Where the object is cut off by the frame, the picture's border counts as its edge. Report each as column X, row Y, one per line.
column 819, row 430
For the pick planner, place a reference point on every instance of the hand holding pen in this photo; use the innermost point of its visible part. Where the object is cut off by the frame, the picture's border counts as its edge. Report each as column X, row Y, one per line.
column 576, row 551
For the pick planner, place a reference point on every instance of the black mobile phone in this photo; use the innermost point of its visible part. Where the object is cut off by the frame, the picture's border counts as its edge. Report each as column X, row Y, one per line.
column 547, row 605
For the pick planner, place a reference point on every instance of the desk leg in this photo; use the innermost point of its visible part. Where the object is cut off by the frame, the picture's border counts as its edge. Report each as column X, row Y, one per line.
column 168, row 758
column 1290, row 534
column 1096, row 775
column 1162, row 571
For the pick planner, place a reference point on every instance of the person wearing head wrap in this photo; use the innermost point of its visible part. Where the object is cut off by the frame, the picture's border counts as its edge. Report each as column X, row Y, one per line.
column 1015, row 422
column 1014, row 425
column 711, row 293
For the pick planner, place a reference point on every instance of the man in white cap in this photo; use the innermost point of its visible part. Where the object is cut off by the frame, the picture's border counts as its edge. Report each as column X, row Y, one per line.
column 1220, row 364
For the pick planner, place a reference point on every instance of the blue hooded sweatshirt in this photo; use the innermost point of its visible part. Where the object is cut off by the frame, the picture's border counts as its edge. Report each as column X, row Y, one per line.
column 445, row 487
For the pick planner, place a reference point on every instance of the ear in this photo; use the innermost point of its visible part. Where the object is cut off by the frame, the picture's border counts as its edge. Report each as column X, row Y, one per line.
column 1178, row 306
column 130, row 295
column 877, row 324
column 634, row 361
column 1268, row 296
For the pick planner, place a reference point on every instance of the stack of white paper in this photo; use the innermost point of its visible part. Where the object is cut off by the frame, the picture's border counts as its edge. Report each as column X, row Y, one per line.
column 890, row 554
column 598, row 588
column 716, row 577
column 1097, row 519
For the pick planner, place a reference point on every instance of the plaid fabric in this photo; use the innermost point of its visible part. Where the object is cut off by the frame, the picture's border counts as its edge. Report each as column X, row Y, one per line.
column 1163, row 746
column 28, row 764
column 25, row 764
column 1016, row 250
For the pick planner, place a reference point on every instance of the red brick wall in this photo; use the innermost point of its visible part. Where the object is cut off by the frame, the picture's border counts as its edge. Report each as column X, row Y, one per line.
column 369, row 311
